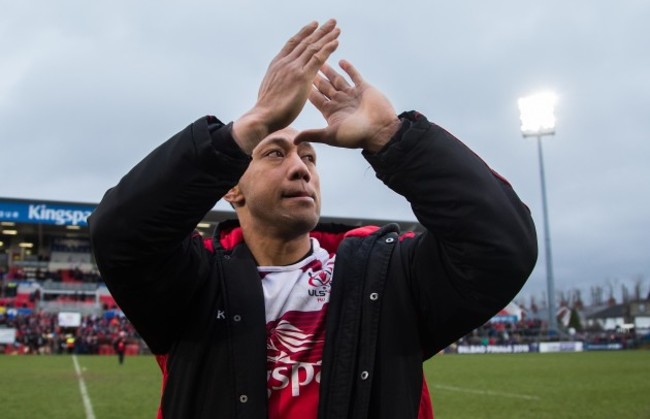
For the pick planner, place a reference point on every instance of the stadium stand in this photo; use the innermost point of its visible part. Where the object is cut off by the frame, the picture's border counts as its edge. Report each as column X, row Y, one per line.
column 47, row 270
column 43, row 333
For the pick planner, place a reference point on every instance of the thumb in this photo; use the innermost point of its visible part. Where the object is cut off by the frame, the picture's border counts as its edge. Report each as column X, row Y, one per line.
column 312, row 135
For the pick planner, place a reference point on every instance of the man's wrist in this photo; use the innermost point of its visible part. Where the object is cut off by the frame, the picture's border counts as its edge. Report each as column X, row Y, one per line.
column 383, row 136
column 248, row 131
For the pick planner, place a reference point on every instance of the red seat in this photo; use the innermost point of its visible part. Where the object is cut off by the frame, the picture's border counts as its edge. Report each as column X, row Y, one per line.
column 105, row 350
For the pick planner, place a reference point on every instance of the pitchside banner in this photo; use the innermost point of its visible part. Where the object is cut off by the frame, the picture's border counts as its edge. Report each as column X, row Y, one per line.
column 604, row 346
column 542, row 347
column 7, row 336
column 546, row 347
column 44, row 213
column 493, row 349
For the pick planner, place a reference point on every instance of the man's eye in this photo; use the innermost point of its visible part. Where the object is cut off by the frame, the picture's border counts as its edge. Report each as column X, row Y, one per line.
column 275, row 153
column 309, row 157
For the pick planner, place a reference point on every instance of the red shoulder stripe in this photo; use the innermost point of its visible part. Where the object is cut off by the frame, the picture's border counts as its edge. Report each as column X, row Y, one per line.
column 362, row 231
column 209, row 245
column 162, row 363
column 426, row 408
column 229, row 239
column 407, row 235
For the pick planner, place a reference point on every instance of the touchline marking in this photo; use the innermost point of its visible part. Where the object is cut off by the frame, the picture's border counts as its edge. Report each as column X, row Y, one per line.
column 486, row 392
column 84, row 392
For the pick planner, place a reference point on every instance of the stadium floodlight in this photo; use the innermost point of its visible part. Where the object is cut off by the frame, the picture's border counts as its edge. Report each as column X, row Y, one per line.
column 537, row 114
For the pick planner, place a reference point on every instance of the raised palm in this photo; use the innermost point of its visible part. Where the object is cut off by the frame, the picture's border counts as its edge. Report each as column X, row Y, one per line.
column 358, row 115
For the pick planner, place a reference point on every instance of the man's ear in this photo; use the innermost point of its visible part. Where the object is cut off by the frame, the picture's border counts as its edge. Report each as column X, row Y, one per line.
column 234, row 197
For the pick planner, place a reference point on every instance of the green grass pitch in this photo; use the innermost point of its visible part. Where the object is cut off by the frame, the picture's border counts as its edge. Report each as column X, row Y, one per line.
column 590, row 385
column 565, row 385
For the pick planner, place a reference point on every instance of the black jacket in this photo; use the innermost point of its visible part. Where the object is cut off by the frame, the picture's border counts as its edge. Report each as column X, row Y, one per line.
column 396, row 300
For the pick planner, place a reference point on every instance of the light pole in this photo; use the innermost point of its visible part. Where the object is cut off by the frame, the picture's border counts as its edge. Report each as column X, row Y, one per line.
column 537, row 120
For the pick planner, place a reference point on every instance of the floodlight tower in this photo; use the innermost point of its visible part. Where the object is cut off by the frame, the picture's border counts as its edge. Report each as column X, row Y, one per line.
column 537, row 120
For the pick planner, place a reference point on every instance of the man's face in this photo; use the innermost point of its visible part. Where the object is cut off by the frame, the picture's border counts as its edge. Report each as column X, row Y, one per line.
column 280, row 190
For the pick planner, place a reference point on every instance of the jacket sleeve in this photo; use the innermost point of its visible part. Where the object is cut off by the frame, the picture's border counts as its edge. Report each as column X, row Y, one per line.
column 142, row 230
column 480, row 244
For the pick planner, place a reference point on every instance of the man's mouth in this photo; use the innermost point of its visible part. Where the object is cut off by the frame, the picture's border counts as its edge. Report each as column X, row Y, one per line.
column 297, row 194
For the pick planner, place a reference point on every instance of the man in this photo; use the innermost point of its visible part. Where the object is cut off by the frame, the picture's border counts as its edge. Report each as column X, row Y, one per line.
column 119, row 345
column 279, row 316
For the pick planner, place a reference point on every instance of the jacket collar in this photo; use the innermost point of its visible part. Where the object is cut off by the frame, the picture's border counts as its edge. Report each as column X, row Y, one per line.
column 228, row 234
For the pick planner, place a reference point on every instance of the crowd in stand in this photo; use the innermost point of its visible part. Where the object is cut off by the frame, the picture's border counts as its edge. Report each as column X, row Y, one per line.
column 506, row 333
column 61, row 275
column 531, row 331
column 41, row 333
column 11, row 298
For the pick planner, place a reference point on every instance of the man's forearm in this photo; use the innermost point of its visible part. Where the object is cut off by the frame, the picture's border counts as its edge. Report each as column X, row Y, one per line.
column 457, row 197
column 160, row 201
column 480, row 245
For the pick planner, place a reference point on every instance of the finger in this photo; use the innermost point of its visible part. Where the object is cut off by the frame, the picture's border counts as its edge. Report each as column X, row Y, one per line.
column 324, row 86
column 311, row 44
column 295, row 40
column 312, row 136
column 351, row 71
column 319, row 58
column 337, row 80
column 318, row 99
column 321, row 32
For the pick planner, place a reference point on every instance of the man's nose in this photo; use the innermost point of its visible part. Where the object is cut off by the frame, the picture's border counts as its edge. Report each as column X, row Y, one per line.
column 298, row 169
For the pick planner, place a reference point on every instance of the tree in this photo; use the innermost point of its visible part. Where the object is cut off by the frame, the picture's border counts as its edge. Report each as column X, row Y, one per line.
column 575, row 321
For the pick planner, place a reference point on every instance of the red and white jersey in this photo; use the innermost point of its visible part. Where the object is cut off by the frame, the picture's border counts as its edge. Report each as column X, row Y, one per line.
column 295, row 299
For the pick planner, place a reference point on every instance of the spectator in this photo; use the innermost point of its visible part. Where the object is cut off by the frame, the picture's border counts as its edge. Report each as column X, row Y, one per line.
column 120, row 347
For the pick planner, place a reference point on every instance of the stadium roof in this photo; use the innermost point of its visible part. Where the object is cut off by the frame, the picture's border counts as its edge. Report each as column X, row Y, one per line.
column 618, row 310
column 38, row 217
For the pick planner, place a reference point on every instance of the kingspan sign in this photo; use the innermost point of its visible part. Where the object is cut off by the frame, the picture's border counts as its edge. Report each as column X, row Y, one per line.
column 44, row 213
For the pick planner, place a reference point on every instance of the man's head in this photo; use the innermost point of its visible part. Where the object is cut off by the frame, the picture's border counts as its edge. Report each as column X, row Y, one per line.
column 280, row 191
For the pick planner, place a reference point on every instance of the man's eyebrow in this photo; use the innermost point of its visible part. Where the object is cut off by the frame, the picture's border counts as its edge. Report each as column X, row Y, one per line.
column 270, row 142
column 285, row 143
column 306, row 145
column 280, row 141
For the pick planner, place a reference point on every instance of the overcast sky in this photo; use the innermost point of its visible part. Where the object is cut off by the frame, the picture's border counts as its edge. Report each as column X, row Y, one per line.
column 87, row 89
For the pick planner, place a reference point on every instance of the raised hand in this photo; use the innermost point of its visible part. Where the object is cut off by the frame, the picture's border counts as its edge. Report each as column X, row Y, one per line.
column 287, row 83
column 357, row 115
